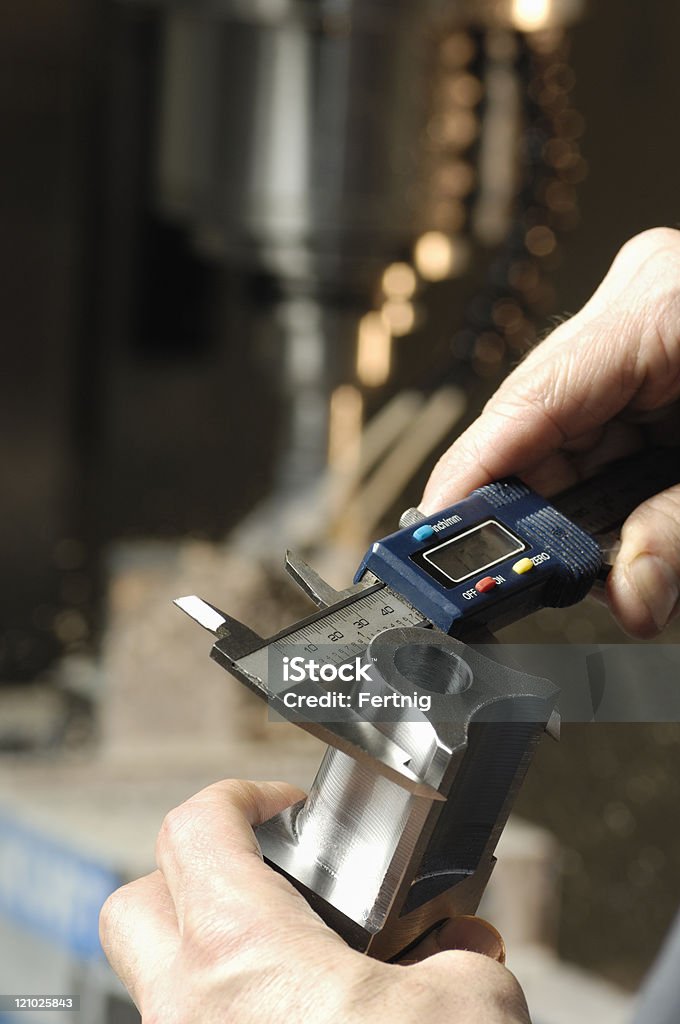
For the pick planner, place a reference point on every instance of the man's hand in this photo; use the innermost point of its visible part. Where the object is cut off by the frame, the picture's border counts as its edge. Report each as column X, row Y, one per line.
column 601, row 385
column 215, row 935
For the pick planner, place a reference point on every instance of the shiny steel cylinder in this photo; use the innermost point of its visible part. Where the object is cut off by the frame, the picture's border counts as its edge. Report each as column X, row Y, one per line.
column 350, row 826
column 355, row 820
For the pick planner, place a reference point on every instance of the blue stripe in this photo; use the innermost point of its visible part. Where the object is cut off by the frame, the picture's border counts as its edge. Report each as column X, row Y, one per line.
column 51, row 889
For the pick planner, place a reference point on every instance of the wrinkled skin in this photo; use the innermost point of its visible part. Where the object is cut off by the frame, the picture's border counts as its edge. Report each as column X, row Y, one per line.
column 601, row 385
column 214, row 935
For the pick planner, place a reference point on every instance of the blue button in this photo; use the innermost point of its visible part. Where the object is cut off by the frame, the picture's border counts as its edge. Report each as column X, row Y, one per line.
column 423, row 532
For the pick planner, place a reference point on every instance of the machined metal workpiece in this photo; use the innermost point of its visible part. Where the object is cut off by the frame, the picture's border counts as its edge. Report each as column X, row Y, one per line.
column 383, row 864
column 399, row 828
column 431, row 747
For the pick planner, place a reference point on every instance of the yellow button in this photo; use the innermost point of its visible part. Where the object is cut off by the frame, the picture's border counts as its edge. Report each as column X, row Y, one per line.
column 524, row 565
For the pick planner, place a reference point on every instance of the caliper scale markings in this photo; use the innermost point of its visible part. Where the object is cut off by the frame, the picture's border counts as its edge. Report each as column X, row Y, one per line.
column 343, row 632
column 348, row 630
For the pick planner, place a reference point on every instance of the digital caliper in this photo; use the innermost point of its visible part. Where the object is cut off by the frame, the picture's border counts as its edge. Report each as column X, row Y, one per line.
column 401, row 822
column 488, row 561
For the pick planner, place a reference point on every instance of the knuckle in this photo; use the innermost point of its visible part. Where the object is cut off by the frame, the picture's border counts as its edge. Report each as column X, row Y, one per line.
column 182, row 822
column 175, row 826
column 653, row 261
column 650, row 244
column 112, row 910
column 238, row 793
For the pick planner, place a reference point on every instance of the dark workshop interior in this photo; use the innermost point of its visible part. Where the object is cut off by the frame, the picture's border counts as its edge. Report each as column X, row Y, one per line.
column 229, row 242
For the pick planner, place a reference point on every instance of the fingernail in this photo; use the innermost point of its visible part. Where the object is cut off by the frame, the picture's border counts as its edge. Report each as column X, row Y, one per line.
column 657, row 586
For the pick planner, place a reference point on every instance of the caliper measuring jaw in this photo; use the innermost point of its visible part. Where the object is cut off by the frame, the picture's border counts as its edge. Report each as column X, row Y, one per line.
column 400, row 826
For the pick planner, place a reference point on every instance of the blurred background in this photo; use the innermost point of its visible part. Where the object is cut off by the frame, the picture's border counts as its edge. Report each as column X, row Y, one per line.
column 261, row 261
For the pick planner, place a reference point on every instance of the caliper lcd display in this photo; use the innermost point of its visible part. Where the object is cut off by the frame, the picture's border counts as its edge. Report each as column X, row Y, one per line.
column 469, row 553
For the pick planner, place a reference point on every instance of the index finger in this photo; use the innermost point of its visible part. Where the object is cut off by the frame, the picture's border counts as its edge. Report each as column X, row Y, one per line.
column 621, row 349
column 539, row 409
column 210, row 858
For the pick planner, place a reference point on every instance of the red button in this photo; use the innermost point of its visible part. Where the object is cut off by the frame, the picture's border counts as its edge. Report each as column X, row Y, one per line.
column 488, row 583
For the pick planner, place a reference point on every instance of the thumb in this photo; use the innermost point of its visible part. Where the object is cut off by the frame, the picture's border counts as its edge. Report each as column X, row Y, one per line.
column 472, row 987
column 644, row 586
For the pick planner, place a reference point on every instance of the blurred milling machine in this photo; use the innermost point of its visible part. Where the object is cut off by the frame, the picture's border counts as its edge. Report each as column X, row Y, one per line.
column 350, row 151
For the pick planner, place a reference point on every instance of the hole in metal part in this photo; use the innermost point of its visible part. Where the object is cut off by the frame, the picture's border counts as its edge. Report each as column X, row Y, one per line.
column 432, row 668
